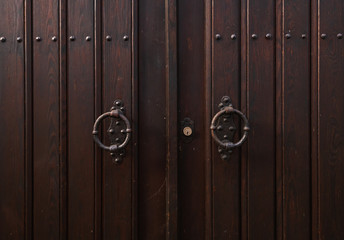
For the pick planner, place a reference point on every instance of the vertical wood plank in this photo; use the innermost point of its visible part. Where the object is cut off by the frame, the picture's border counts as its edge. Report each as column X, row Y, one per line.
column 331, row 117
column 80, row 119
column 117, row 80
column 191, row 92
column 279, row 117
column 28, row 119
column 244, row 94
column 63, row 178
column 208, row 214
column 226, row 71
column 98, row 56
column 135, row 117
column 152, row 121
column 171, row 120
column 315, row 116
column 46, row 203
column 12, row 122
column 296, row 121
column 261, row 114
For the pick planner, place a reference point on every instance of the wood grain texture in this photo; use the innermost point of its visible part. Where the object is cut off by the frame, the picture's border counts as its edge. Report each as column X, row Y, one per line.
column 46, row 165
column 261, row 112
column 12, row 122
column 152, row 121
column 296, row 121
column 331, row 116
column 28, row 119
column 315, row 117
column 117, row 84
column 191, row 91
column 98, row 163
column 171, row 119
column 80, row 117
column 226, row 82
column 284, row 183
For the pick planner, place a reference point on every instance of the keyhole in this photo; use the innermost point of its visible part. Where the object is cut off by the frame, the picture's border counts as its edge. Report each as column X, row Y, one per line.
column 187, row 131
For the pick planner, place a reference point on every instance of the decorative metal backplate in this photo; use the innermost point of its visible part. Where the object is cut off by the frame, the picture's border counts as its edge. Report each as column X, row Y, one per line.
column 225, row 128
column 116, row 132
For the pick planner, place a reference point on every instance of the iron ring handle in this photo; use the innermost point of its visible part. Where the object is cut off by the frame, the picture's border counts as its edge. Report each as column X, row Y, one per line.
column 114, row 114
column 246, row 128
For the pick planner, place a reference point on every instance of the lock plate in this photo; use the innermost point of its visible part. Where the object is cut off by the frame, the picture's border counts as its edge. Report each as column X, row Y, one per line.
column 187, row 130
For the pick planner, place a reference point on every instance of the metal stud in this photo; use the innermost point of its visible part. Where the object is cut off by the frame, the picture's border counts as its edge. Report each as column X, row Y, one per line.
column 117, row 123
column 19, row 39
column 54, row 38
column 268, row 36
column 231, row 128
column 38, row 39
column 108, row 38
column 219, row 128
column 323, row 36
column 122, row 109
column 303, row 36
column 123, row 131
column 288, row 36
column 254, row 36
column 111, row 130
column 118, row 103
column 88, row 38
column 218, row 36
column 72, row 38
column 339, row 35
column 2, row 39
column 233, row 36
column 118, row 160
column 225, row 136
column 125, row 37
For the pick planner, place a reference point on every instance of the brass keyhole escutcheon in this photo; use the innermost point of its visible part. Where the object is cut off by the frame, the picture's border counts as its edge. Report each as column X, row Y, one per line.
column 187, row 131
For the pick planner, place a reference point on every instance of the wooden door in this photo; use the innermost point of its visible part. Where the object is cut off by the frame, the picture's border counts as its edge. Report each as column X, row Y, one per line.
column 165, row 66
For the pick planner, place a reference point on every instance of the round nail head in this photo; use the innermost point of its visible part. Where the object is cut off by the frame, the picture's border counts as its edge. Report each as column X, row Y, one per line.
column 217, row 36
column 254, row 36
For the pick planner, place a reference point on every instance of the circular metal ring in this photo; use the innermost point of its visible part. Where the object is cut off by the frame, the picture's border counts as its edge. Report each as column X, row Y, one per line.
column 246, row 128
column 114, row 114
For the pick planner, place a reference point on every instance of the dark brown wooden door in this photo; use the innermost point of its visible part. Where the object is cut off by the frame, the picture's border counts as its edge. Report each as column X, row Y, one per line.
column 64, row 63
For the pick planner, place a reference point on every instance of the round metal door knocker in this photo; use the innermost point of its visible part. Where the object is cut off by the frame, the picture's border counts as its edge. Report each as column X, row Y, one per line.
column 223, row 123
column 117, row 114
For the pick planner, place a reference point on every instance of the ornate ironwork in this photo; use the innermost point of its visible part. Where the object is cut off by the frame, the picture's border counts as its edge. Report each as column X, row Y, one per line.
column 223, row 128
column 119, row 131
